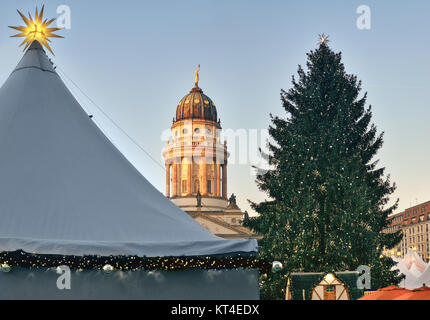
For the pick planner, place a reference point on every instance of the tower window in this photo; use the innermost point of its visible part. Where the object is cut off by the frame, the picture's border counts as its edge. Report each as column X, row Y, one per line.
column 209, row 186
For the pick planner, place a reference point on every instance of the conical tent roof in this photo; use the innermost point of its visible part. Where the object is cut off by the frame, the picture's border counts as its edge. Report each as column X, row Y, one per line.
column 409, row 279
column 411, row 258
column 414, row 270
column 424, row 278
column 65, row 189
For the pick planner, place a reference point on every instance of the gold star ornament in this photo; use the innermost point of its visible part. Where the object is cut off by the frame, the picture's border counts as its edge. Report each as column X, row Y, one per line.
column 36, row 30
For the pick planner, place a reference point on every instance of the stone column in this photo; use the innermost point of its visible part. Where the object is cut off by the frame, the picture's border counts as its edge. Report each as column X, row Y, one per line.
column 175, row 179
column 168, row 180
column 204, row 178
column 224, row 180
column 189, row 176
column 218, row 180
column 179, row 179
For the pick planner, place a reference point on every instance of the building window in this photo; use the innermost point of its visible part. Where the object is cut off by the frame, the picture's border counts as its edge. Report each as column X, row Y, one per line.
column 209, row 186
column 184, row 186
column 329, row 292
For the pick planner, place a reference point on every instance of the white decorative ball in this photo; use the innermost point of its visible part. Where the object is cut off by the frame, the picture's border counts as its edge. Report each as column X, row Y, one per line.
column 107, row 268
column 5, row 267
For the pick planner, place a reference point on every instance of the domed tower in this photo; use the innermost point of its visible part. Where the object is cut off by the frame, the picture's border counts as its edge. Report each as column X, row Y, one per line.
column 195, row 157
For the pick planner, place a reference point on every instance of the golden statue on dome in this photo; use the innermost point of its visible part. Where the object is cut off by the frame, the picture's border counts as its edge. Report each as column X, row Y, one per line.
column 196, row 79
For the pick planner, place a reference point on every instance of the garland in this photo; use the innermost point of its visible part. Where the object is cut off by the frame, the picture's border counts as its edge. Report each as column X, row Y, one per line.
column 28, row 260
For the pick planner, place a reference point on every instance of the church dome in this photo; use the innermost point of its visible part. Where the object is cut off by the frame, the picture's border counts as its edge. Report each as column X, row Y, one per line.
column 196, row 105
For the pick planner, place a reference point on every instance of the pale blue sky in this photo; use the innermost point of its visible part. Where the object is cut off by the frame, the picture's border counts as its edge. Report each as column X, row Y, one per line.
column 136, row 59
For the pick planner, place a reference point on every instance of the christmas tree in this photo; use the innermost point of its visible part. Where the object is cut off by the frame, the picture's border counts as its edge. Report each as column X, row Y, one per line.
column 328, row 199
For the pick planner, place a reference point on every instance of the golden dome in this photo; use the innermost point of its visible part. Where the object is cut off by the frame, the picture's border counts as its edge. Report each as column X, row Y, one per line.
column 196, row 105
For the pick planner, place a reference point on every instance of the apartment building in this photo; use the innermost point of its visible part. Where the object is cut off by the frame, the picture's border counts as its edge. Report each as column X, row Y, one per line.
column 414, row 223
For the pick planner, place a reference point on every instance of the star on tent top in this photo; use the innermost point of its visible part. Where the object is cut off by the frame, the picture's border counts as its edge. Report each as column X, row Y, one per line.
column 323, row 39
column 36, row 29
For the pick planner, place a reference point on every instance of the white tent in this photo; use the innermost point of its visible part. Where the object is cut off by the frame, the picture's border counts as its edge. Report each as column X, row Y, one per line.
column 411, row 258
column 395, row 259
column 409, row 279
column 66, row 190
column 414, row 270
column 424, row 278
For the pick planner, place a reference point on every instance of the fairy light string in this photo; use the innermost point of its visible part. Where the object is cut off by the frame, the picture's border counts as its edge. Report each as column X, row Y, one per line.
column 30, row 260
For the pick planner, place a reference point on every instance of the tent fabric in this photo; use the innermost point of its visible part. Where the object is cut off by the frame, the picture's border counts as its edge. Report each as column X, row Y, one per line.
column 411, row 258
column 196, row 284
column 388, row 293
column 422, row 293
column 395, row 259
column 415, row 271
column 423, row 279
column 396, row 293
column 67, row 190
column 409, row 280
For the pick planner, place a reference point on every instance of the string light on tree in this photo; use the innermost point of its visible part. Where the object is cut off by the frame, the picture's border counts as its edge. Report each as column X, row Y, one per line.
column 5, row 267
column 107, row 268
column 108, row 264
